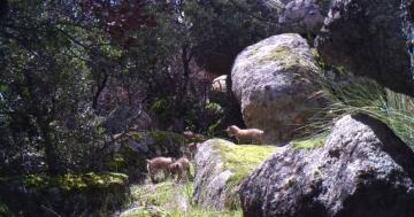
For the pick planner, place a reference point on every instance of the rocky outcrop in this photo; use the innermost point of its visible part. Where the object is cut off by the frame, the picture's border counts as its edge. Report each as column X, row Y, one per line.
column 273, row 82
column 370, row 38
column 363, row 170
column 220, row 167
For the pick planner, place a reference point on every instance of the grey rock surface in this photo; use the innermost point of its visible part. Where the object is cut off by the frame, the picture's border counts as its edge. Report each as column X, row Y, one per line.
column 363, row 170
column 211, row 176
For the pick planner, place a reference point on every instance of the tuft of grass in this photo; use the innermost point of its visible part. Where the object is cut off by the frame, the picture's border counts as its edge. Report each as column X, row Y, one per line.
column 348, row 94
column 157, row 195
column 162, row 200
column 194, row 212
column 198, row 212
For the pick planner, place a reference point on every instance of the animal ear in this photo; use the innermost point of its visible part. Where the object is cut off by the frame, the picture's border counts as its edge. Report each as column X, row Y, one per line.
column 148, row 161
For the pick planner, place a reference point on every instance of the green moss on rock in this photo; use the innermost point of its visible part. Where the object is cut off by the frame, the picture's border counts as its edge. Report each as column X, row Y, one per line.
column 242, row 159
column 76, row 182
column 286, row 57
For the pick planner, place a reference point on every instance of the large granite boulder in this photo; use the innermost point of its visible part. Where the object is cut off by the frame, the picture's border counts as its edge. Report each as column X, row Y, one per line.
column 362, row 170
column 370, row 38
column 273, row 82
column 220, row 167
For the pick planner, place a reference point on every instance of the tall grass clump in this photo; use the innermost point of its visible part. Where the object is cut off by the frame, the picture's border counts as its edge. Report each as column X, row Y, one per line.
column 348, row 94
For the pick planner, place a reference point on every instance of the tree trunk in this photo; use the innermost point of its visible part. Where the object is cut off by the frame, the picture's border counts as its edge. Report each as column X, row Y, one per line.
column 51, row 151
column 101, row 86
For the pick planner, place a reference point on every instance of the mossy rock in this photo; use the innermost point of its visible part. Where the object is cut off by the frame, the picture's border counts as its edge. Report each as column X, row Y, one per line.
column 220, row 167
column 242, row 159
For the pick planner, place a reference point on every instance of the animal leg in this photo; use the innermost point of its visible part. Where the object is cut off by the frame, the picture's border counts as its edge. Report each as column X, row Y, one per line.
column 166, row 174
column 190, row 176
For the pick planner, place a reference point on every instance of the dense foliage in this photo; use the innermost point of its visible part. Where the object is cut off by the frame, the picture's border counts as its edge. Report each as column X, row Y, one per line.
column 75, row 73
column 66, row 66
